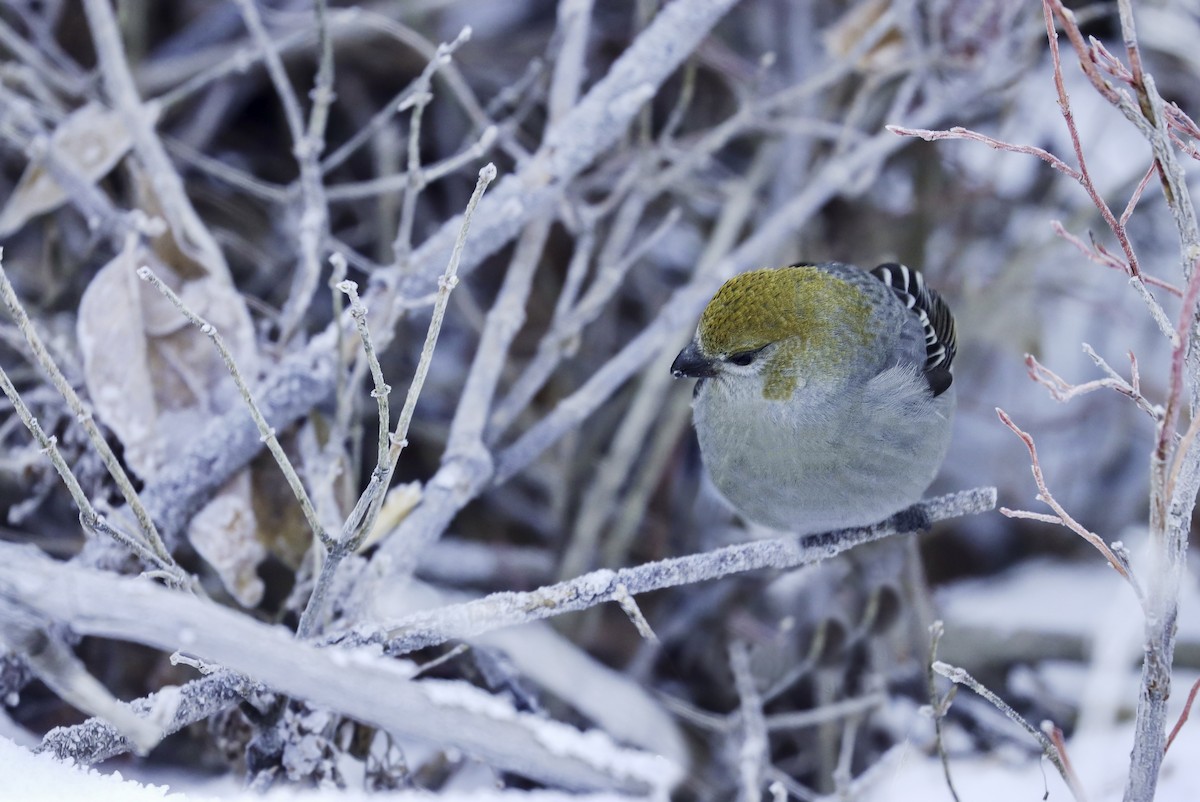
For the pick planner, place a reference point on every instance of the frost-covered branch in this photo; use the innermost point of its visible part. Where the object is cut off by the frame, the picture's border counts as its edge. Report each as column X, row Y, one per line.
column 431, row 627
column 1049, row 749
column 448, row 713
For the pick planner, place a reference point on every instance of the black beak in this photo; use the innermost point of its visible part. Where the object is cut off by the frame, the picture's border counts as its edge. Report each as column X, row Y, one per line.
column 691, row 364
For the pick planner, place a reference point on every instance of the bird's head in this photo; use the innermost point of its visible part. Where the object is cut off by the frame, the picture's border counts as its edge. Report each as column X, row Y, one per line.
column 781, row 327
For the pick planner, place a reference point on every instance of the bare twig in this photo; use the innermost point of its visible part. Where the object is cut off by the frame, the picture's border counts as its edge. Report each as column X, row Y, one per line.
column 88, row 516
column 1062, row 390
column 267, row 433
column 752, row 756
column 418, row 100
column 382, row 390
column 399, row 438
column 307, row 145
column 961, row 677
column 84, row 416
column 1183, row 715
column 362, row 518
column 1061, row 516
column 939, row 705
column 1055, row 734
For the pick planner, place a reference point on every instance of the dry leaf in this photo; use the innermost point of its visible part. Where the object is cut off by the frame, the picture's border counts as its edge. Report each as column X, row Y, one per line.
column 397, row 504
column 91, row 141
column 115, row 362
column 157, row 381
column 843, row 36
column 225, row 534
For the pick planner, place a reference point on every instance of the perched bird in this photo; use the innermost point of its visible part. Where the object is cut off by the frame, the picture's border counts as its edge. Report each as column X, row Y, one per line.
column 824, row 397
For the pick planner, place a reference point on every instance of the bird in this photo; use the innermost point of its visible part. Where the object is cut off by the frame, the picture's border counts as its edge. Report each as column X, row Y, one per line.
column 824, row 395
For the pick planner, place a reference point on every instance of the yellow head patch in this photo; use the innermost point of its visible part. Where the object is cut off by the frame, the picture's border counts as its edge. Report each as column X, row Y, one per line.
column 813, row 314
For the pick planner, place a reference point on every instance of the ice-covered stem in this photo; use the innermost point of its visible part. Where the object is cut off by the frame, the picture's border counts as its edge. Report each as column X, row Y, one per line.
column 382, row 390
column 89, row 518
column 382, row 476
column 189, row 230
column 96, row 739
column 447, row 715
column 755, row 746
column 308, row 142
column 266, row 432
column 362, row 518
column 420, row 97
column 431, row 627
column 84, row 416
column 961, row 677
column 939, row 705
column 1062, row 390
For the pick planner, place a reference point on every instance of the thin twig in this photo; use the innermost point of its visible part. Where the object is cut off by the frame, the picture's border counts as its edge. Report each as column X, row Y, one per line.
column 84, row 416
column 939, row 705
column 1167, row 429
column 752, row 756
column 1055, row 734
column 307, row 144
column 382, row 390
column 396, row 182
column 88, row 516
column 958, row 132
column 961, row 677
column 1061, row 516
column 265, row 430
column 1183, row 715
column 361, row 519
column 418, row 100
column 449, row 280
column 826, row 713
column 1063, row 391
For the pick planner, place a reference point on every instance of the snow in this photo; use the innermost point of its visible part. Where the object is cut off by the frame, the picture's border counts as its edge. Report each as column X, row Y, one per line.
column 1100, row 760
column 29, row 777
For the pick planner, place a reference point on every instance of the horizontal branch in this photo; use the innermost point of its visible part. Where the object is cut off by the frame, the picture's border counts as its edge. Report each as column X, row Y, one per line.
column 447, row 714
column 431, row 627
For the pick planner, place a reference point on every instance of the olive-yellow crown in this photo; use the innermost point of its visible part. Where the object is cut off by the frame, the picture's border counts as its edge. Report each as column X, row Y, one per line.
column 805, row 302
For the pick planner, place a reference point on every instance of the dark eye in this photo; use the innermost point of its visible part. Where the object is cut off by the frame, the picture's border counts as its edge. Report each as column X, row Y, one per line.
column 744, row 358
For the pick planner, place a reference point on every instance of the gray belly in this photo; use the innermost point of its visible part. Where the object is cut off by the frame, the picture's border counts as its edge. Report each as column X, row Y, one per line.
column 816, row 474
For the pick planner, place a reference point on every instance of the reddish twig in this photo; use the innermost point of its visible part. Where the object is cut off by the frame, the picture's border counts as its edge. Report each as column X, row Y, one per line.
column 1096, row 252
column 958, row 132
column 1183, row 716
column 1064, row 103
column 1062, row 390
column 1055, row 734
column 1061, row 516
column 1137, row 193
column 1187, row 315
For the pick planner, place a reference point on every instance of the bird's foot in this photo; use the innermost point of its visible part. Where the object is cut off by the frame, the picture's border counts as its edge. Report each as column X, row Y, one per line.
column 912, row 519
